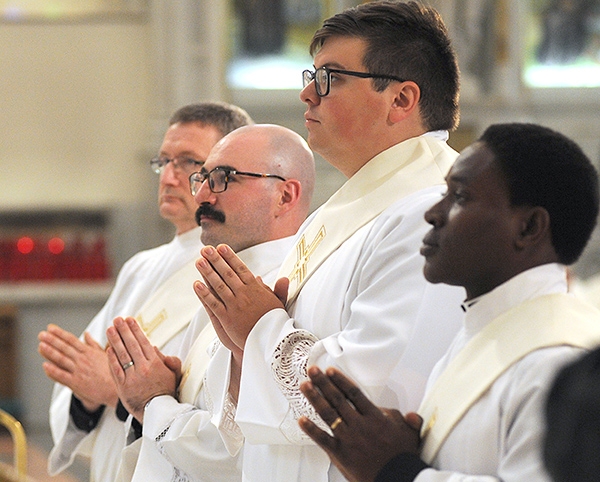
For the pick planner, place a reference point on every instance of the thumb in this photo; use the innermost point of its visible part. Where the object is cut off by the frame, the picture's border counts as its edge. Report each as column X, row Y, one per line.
column 90, row 341
column 414, row 420
column 173, row 363
column 281, row 289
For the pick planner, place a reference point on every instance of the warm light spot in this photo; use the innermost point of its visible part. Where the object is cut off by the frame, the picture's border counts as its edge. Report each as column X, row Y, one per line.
column 56, row 245
column 25, row 245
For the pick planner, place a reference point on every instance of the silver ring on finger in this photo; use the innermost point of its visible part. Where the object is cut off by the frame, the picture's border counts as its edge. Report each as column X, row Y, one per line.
column 127, row 365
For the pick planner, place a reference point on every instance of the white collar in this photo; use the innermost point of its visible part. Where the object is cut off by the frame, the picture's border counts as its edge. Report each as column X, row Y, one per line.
column 191, row 237
column 266, row 256
column 440, row 135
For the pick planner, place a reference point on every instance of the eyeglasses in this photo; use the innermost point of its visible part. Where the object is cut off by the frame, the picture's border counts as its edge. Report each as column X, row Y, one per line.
column 219, row 177
column 322, row 78
column 185, row 164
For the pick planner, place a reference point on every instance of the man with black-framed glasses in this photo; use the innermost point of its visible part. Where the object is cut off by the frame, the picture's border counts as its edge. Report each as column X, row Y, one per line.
column 254, row 192
column 379, row 105
column 219, row 177
column 322, row 78
column 83, row 414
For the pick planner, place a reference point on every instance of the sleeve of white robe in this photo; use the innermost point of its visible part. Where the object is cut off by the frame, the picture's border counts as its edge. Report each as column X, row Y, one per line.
column 185, row 436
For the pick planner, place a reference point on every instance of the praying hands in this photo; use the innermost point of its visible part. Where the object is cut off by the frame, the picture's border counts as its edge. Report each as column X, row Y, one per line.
column 234, row 298
column 78, row 364
column 363, row 438
column 140, row 371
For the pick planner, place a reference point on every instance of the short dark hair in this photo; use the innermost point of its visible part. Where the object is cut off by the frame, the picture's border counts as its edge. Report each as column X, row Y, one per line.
column 405, row 40
column 545, row 168
column 571, row 448
column 225, row 117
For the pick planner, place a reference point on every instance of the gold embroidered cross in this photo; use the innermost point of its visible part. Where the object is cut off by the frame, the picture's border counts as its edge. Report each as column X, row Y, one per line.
column 304, row 253
column 157, row 320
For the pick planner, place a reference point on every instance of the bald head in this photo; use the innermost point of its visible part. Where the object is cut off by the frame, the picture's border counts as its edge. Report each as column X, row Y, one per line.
column 286, row 154
column 253, row 208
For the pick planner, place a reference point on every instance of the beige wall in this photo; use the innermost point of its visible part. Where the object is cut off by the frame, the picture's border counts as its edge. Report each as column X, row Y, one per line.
column 74, row 102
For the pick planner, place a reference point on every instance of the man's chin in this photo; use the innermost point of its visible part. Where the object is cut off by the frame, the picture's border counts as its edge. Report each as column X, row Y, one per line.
column 209, row 239
column 431, row 274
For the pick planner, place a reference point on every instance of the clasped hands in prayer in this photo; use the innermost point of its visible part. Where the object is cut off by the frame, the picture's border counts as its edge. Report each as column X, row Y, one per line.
column 234, row 299
column 140, row 371
column 362, row 438
column 78, row 364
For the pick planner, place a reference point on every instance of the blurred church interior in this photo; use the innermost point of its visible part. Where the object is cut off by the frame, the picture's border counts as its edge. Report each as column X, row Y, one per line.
column 87, row 87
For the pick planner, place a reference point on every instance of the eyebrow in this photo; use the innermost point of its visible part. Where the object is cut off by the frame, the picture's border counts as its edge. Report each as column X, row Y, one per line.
column 331, row 65
column 457, row 179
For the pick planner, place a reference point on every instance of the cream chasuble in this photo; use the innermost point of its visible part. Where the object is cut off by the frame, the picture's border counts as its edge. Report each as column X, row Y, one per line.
column 171, row 307
column 395, row 173
column 550, row 320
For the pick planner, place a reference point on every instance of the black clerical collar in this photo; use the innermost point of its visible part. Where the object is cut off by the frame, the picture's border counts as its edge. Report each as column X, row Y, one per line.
column 465, row 305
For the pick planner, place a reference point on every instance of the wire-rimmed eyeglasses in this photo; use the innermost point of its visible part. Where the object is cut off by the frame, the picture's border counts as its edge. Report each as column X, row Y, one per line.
column 219, row 177
column 322, row 78
column 185, row 164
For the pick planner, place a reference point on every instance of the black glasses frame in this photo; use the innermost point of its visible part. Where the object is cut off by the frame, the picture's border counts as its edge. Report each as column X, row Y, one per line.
column 308, row 76
column 198, row 178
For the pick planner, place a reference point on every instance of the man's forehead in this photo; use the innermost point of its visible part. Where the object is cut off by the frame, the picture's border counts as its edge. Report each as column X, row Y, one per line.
column 243, row 152
column 472, row 161
column 340, row 52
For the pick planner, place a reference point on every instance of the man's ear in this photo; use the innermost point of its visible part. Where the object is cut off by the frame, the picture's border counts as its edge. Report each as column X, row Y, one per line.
column 289, row 195
column 534, row 227
column 405, row 101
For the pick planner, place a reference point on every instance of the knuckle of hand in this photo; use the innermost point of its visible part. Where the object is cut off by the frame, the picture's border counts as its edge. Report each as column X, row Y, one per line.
column 338, row 399
column 354, row 392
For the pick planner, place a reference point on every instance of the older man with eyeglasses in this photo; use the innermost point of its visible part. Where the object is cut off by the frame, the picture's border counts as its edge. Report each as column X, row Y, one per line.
column 83, row 414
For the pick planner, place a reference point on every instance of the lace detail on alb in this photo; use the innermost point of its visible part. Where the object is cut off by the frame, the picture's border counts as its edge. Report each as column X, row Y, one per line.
column 289, row 367
column 208, row 401
column 214, row 346
column 210, row 404
column 178, row 475
column 228, row 424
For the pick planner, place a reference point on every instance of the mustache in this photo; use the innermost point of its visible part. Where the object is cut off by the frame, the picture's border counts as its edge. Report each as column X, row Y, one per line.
column 208, row 211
